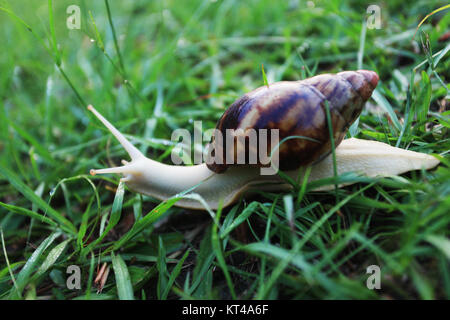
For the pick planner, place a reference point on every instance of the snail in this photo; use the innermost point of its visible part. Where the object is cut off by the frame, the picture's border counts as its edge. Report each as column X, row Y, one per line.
column 293, row 109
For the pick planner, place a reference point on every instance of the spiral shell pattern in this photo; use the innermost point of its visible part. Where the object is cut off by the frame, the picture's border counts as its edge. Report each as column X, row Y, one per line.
column 296, row 108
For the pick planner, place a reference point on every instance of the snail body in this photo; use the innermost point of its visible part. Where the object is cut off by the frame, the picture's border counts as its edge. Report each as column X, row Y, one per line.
column 223, row 184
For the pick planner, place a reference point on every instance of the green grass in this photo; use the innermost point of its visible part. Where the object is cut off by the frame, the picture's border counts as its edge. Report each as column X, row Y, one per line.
column 153, row 66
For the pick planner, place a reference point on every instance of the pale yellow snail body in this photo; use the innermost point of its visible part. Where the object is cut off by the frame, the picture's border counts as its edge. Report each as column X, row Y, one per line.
column 222, row 185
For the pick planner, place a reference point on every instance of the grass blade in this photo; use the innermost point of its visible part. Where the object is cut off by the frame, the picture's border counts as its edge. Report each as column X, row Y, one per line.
column 441, row 243
column 30, row 195
column 162, row 269
column 151, row 217
column 52, row 256
column 28, row 268
column 28, row 213
column 240, row 218
column 217, row 248
column 266, row 83
column 8, row 266
column 381, row 100
column 333, row 147
column 56, row 52
column 423, row 100
column 114, row 218
column 116, row 44
column 32, row 140
column 174, row 275
column 123, row 280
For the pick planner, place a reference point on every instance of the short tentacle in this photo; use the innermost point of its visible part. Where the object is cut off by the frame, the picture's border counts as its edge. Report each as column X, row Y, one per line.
column 123, row 169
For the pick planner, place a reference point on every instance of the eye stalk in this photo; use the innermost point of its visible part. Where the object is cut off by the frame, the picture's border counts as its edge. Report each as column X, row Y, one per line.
column 133, row 152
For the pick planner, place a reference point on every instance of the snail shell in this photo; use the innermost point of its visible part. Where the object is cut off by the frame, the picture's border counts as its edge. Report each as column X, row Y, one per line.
column 295, row 108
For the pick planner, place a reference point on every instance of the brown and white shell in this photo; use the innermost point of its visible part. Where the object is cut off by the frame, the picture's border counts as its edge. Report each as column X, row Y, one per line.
column 296, row 108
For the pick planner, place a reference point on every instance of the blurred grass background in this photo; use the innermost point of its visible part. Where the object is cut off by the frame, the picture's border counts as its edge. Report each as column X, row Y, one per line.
column 167, row 64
